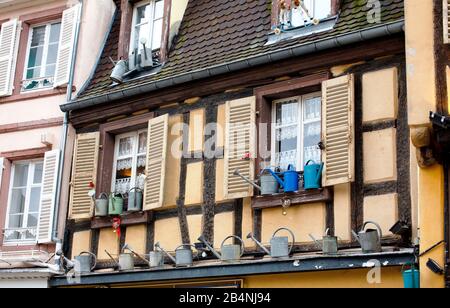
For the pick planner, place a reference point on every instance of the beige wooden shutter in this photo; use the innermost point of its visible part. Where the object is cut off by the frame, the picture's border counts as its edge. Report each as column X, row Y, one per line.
column 156, row 162
column 446, row 21
column 69, row 25
column 9, row 38
column 338, row 130
column 48, row 197
column 239, row 141
column 84, row 171
column 1, row 170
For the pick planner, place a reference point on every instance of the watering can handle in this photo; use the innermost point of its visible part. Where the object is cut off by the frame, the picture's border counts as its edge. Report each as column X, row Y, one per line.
column 292, row 234
column 185, row 245
column 103, row 195
column 93, row 256
column 310, row 161
column 238, row 238
column 375, row 224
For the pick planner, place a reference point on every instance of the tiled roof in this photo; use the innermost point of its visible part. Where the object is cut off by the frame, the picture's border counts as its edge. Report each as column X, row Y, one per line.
column 216, row 31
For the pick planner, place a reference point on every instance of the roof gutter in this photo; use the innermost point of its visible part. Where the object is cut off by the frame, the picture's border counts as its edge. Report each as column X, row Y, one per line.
column 240, row 64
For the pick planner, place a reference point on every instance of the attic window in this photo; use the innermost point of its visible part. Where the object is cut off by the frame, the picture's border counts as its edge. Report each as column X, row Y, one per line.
column 298, row 18
column 147, row 26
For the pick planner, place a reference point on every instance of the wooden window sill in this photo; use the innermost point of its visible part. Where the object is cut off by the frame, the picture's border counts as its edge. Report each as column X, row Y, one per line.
column 298, row 198
column 127, row 219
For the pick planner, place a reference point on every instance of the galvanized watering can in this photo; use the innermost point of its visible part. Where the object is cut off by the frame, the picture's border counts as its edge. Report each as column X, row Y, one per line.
column 87, row 262
column 279, row 245
column 269, row 185
column 115, row 204
column 370, row 239
column 291, row 179
column 313, row 175
column 135, row 200
column 101, row 205
column 328, row 245
column 126, row 261
column 183, row 255
column 229, row 253
column 156, row 258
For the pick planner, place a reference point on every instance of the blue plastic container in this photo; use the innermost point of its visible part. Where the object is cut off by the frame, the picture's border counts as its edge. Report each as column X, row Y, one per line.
column 313, row 175
column 411, row 277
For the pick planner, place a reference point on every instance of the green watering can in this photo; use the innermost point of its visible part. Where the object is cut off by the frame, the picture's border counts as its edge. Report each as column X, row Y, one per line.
column 116, row 204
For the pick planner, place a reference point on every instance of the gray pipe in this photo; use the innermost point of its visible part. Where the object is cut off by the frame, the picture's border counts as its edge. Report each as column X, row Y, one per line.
column 65, row 131
column 256, row 60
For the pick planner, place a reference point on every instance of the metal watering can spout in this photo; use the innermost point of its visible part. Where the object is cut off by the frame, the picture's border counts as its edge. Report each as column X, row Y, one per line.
column 237, row 173
column 209, row 246
column 250, row 236
column 317, row 242
column 157, row 245
column 356, row 236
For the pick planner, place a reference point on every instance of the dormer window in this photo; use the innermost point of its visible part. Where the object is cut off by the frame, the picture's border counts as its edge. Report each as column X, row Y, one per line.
column 147, row 27
column 309, row 11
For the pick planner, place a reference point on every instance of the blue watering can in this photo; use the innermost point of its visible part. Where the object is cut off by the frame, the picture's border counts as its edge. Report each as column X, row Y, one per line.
column 313, row 175
column 411, row 277
column 290, row 183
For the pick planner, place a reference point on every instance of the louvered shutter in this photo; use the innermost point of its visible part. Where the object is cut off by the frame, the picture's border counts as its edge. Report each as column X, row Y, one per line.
column 1, row 170
column 239, row 143
column 446, row 21
column 48, row 197
column 69, row 25
column 8, row 53
column 338, row 130
column 84, row 171
column 156, row 162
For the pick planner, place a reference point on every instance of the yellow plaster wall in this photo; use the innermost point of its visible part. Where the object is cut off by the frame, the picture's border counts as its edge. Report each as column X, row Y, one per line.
column 382, row 210
column 380, row 156
column 448, row 87
column 390, row 278
column 194, row 184
column 167, row 233
column 109, row 241
column 431, row 209
column 196, row 129
column 380, row 95
column 172, row 175
column 247, row 222
column 302, row 220
column 223, row 227
column 81, row 242
column 195, row 227
column 342, row 211
column 220, row 195
column 419, row 60
column 136, row 237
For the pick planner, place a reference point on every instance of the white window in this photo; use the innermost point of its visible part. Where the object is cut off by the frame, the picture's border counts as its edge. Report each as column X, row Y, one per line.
column 147, row 25
column 318, row 9
column 24, row 199
column 130, row 160
column 296, row 131
column 41, row 58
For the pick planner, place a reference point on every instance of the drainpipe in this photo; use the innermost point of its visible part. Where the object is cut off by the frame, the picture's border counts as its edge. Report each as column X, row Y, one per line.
column 65, row 132
column 447, row 220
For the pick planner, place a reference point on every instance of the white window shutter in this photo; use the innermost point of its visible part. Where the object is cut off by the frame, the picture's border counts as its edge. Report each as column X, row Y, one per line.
column 240, row 147
column 84, row 171
column 69, row 25
column 9, row 38
column 1, row 170
column 446, row 21
column 48, row 197
column 338, row 130
column 156, row 162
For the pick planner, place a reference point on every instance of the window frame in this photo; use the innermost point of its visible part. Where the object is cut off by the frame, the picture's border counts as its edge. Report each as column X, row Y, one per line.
column 30, row 185
column 134, row 24
column 135, row 134
column 48, row 25
column 300, row 129
column 312, row 12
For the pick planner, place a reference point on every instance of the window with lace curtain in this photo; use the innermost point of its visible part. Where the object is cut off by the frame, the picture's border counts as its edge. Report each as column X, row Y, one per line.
column 296, row 131
column 129, row 162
